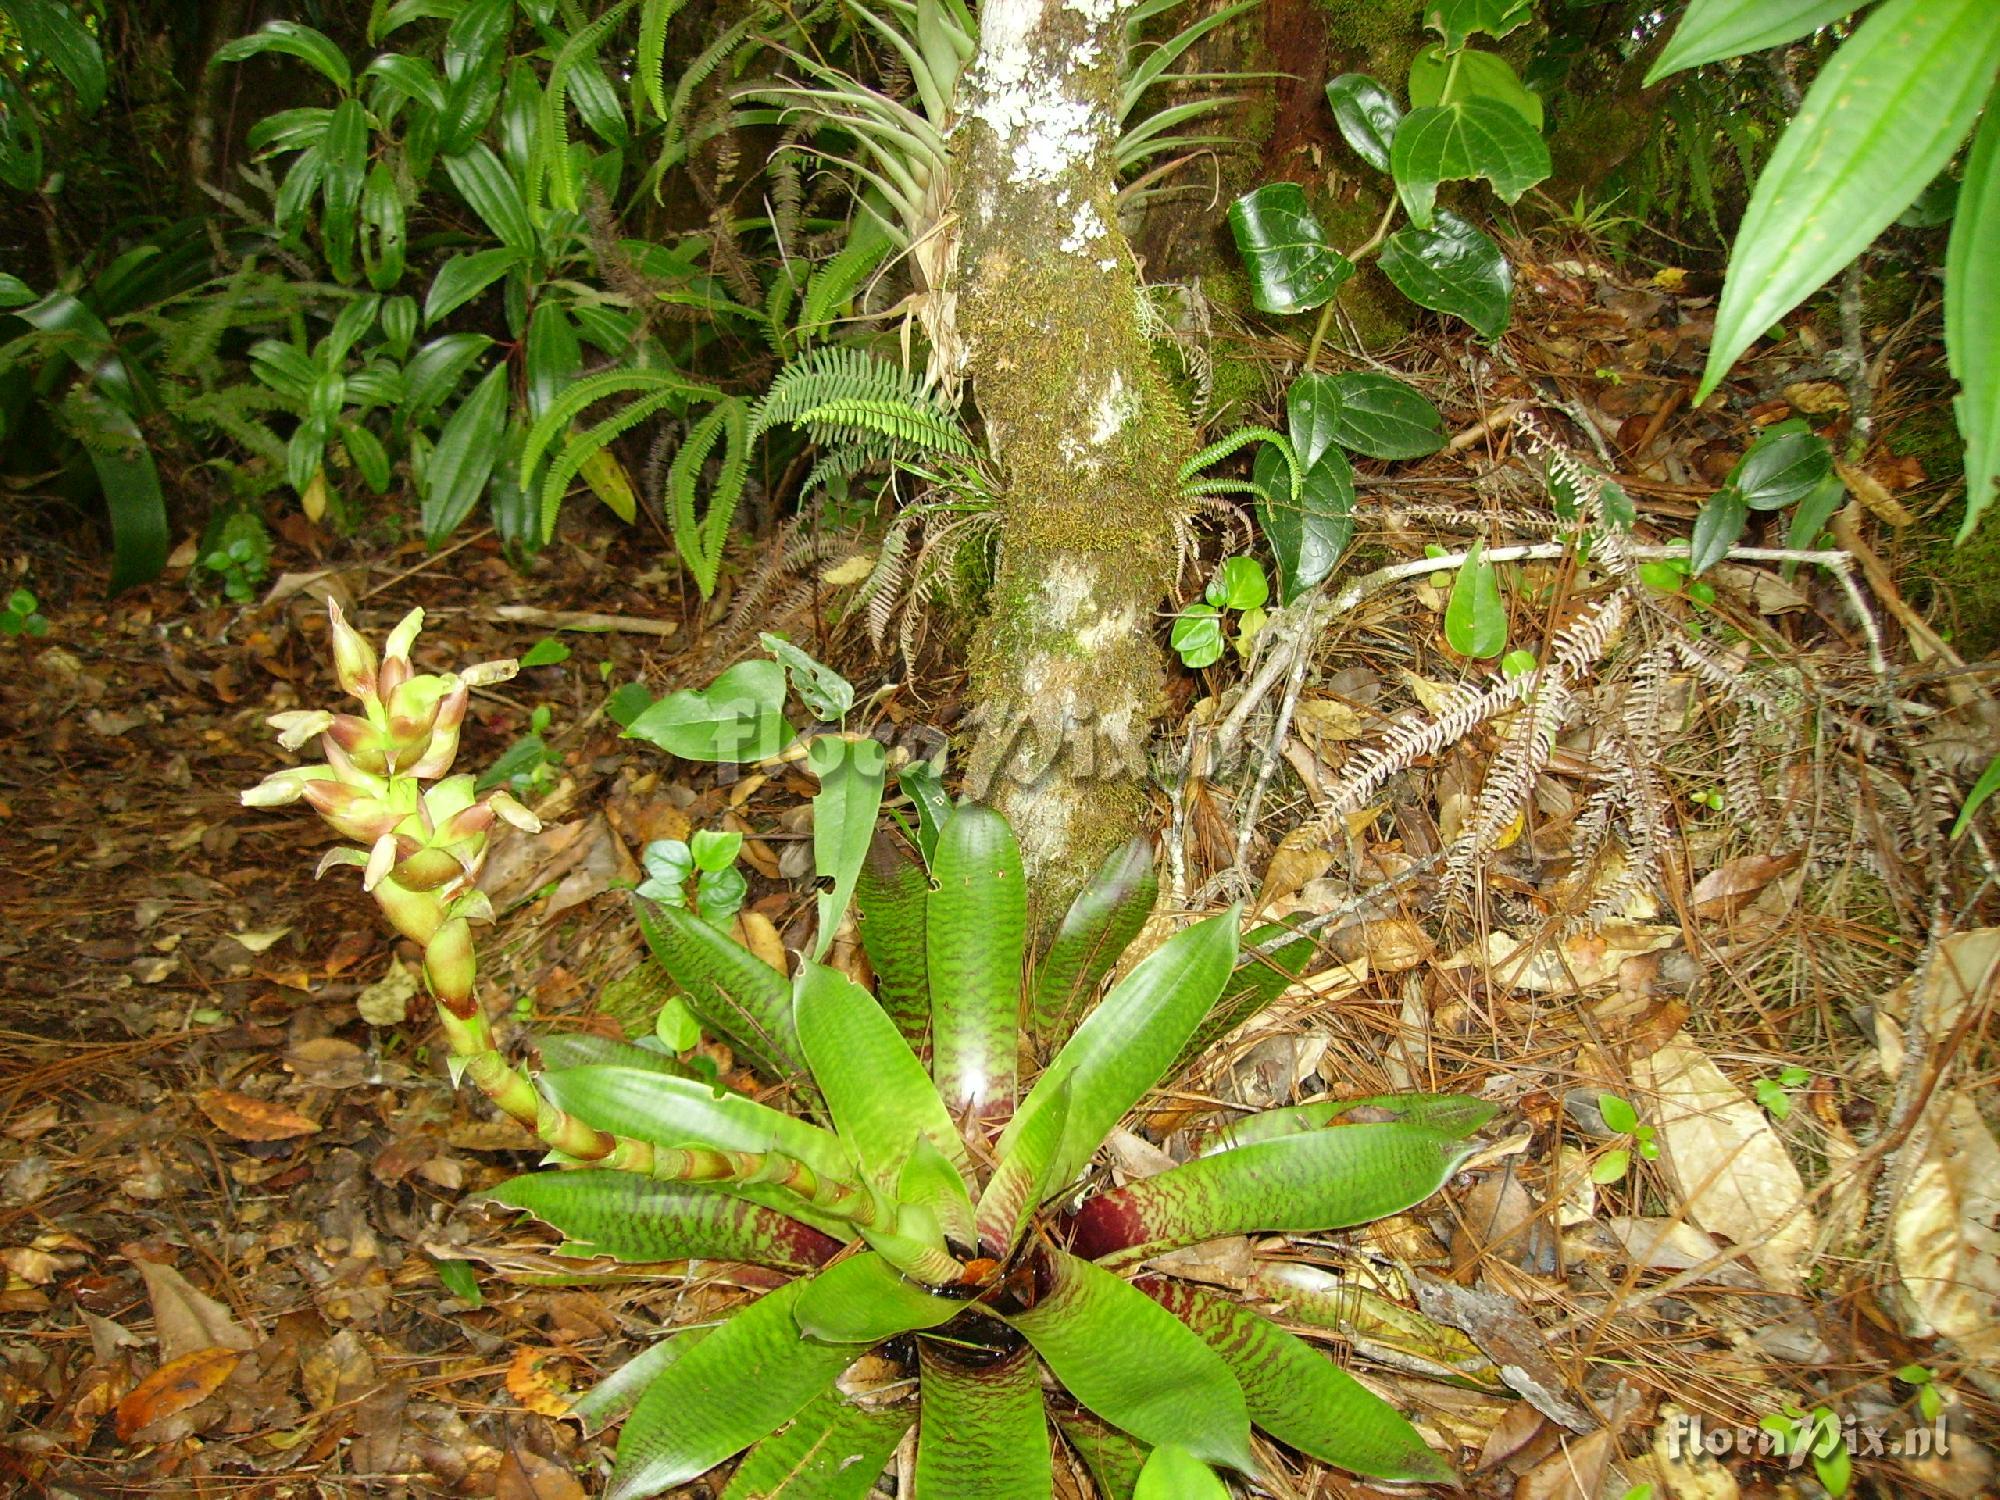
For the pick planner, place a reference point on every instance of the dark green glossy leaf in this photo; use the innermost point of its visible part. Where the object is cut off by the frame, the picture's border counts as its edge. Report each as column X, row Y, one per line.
column 1470, row 74
column 288, row 37
column 1456, row 20
column 382, row 236
column 863, row 1300
column 1711, row 30
column 976, row 927
column 880, row 1096
column 1784, row 465
column 1133, row 1363
column 736, row 994
column 1378, row 415
column 1310, row 524
column 1173, row 1473
column 1298, row 1395
column 554, row 355
column 1475, row 616
column 634, row 1218
column 1716, row 528
column 1105, row 916
column 851, row 775
column 834, row 1449
column 464, row 277
column 982, row 1435
column 1452, row 268
column 463, row 460
column 1885, row 114
column 1972, row 316
column 742, row 1382
column 1465, row 139
column 1291, row 266
column 344, row 167
column 738, row 717
column 1328, row 1179
column 889, row 900
column 52, row 30
column 1367, row 115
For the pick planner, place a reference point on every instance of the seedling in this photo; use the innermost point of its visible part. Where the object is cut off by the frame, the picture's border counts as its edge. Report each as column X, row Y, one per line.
column 1815, row 1434
column 1774, row 1093
column 239, row 554
column 709, row 862
column 1624, row 1120
column 525, row 767
column 1930, row 1397
column 22, row 615
column 1199, row 633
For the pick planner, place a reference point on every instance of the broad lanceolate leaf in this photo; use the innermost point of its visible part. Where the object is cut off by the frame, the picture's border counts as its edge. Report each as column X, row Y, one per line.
column 1298, row 1395
column 1464, row 139
column 1291, row 266
column 1475, row 617
column 982, row 1435
column 1173, row 1473
column 738, row 717
column 309, row 46
column 1716, row 528
column 1106, row 915
column 1452, row 268
column 1377, row 415
column 463, row 460
column 634, row 1218
column 1711, row 30
column 1257, row 980
column 889, row 901
column 1784, row 465
column 851, row 775
column 879, row 1095
column 1972, row 316
column 52, row 30
column 735, row 993
column 671, row 1111
column 864, row 1299
column 1125, row 1046
column 1881, row 120
column 834, row 1449
column 1300, row 1183
column 976, row 925
column 1367, row 115
column 1133, row 1363
column 740, row 1383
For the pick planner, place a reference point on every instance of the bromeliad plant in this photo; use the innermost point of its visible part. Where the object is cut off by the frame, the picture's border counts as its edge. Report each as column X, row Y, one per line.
column 930, row 1203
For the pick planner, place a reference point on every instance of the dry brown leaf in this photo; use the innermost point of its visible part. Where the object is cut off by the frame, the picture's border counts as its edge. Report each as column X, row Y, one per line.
column 1689, row 1473
column 1300, row 857
column 1389, row 946
column 1581, row 962
column 1874, row 494
column 1730, row 886
column 1720, row 1153
column 526, row 1475
column 1329, row 719
column 1575, row 1472
column 754, row 931
column 532, row 1381
column 249, row 1119
column 174, row 1387
column 185, row 1320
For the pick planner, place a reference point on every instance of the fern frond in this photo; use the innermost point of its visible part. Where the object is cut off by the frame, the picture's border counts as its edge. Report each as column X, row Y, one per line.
column 846, row 419
column 1222, row 447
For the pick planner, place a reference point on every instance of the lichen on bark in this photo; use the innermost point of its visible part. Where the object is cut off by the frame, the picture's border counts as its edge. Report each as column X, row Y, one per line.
column 1088, row 435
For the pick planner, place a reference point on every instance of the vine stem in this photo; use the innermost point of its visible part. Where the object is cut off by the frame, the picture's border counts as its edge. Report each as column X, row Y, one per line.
column 1366, row 249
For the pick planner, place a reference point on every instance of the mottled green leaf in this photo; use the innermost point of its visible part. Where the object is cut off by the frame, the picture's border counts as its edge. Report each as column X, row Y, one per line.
column 1026, row 1175
column 1972, row 316
column 1710, row 30
column 834, row 1449
column 1885, row 114
column 976, row 926
column 1114, row 1458
column 1105, row 916
column 1291, row 266
column 738, row 717
column 889, row 901
column 982, row 1435
column 612, row 1397
column 1257, row 980
column 1452, row 268
column 736, row 994
column 863, row 1300
column 1452, row 1115
column 1465, row 139
column 1367, row 115
column 634, row 1218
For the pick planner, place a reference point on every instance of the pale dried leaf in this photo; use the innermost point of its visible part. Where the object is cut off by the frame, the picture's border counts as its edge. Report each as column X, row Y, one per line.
column 186, row 1321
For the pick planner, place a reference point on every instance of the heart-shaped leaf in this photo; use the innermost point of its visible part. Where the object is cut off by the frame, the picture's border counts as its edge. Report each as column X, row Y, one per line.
column 1379, row 416
column 1452, row 268
column 1367, row 115
column 1308, row 528
column 1292, row 268
column 737, row 717
column 1475, row 619
column 1456, row 20
column 1465, row 139
column 1197, row 636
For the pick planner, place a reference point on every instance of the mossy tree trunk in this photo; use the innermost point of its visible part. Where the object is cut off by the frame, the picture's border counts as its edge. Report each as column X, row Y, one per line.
column 1067, row 672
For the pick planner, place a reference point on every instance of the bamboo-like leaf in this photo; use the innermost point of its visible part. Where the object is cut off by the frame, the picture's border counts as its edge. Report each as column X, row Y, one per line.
column 1133, row 1363
column 634, row 1218
column 982, row 1434
column 1711, row 30
column 1125, row 1046
column 344, row 161
column 1106, row 915
column 889, row 900
column 731, row 990
column 1298, row 1395
column 309, row 46
column 485, row 183
column 834, row 1449
column 671, row 1111
column 975, row 925
column 881, row 1099
column 741, row 1383
column 1884, row 116
column 463, row 460
column 1972, row 316
column 864, row 1299
column 1328, row 1179
column 851, row 775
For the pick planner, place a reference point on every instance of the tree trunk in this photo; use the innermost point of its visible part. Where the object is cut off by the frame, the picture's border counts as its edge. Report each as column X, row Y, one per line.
column 1066, row 673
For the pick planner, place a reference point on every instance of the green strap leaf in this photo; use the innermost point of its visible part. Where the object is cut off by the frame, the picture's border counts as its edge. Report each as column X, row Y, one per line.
column 982, row 1435
column 54, row 31
column 1452, row 268
column 1883, row 117
column 615, row 1395
column 738, row 717
column 1173, row 1473
column 890, row 895
column 731, row 990
column 864, row 1299
column 1972, row 316
column 834, row 1449
column 464, row 277
column 1464, row 139
column 311, row 47
column 880, row 1097
column 1025, row 1176
column 1475, row 616
column 1328, row 1179
column 1133, row 1363
column 1125, row 1046
column 1367, row 115
column 1450, row 1115
column 1257, row 981
column 742, row 1382
column 1711, row 30
column 344, row 158
column 1298, row 1395
column 1106, row 915
column 851, row 774
column 976, row 926
column 1292, row 268
column 463, row 460
column 633, row 1218
column 131, row 485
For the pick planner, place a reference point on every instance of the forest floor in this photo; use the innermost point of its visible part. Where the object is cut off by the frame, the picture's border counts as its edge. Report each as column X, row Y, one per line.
column 233, row 1178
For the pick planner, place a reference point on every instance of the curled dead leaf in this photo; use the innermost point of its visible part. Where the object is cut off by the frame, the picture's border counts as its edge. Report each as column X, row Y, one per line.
column 249, row 1119
column 173, row 1388
column 534, row 1380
